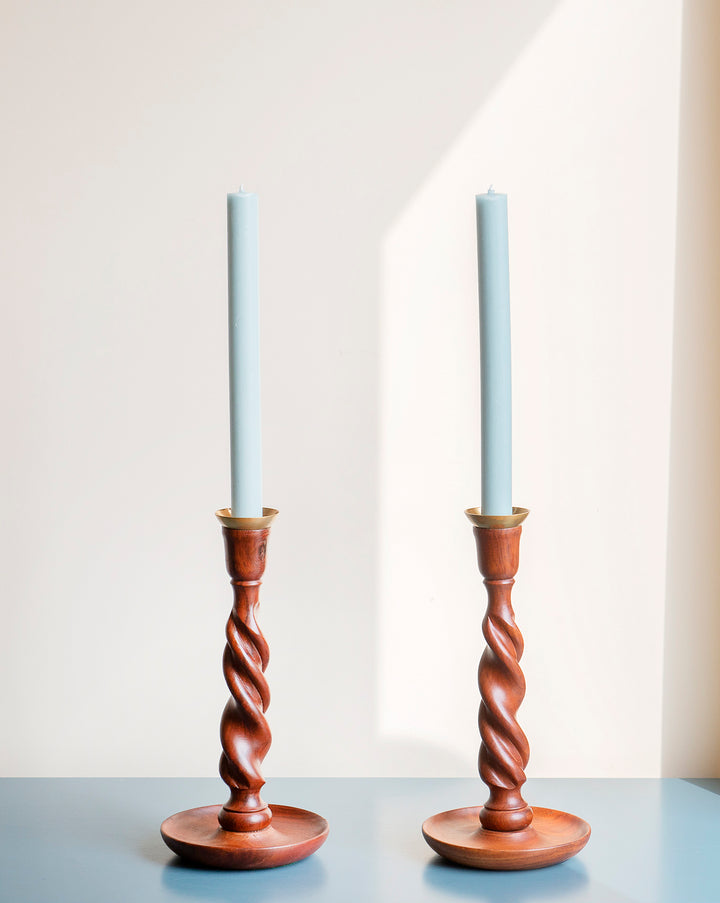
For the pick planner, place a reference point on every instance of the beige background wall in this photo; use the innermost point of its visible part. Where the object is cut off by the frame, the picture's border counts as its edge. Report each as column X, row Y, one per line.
column 691, row 728
column 366, row 128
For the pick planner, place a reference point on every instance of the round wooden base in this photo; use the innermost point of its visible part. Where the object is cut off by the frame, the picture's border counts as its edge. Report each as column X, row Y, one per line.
column 292, row 835
column 551, row 838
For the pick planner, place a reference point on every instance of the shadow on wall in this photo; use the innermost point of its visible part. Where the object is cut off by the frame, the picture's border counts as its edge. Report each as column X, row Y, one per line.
column 691, row 713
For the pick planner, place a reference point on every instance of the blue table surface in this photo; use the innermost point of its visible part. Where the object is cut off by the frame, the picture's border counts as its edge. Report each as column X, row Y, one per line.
column 98, row 840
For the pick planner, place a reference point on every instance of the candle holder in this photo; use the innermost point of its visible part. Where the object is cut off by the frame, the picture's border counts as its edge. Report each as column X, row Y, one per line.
column 245, row 833
column 505, row 833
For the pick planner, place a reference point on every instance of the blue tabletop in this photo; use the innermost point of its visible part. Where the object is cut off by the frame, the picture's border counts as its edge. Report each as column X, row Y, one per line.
column 98, row 840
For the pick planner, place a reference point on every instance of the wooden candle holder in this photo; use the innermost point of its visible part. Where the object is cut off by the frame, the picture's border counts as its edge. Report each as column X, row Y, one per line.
column 505, row 833
column 245, row 833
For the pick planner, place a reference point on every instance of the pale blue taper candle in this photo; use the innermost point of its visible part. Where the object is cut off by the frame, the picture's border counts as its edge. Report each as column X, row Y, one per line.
column 244, row 332
column 495, row 383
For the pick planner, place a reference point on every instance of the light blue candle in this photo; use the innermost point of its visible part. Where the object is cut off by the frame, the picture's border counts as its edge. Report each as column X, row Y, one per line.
column 495, row 382
column 243, row 322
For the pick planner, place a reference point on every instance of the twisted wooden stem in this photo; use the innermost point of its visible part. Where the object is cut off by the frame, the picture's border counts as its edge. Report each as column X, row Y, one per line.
column 504, row 750
column 244, row 731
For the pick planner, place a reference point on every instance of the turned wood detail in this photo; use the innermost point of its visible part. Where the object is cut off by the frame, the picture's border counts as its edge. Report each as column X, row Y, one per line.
column 504, row 748
column 505, row 833
column 244, row 731
column 244, row 833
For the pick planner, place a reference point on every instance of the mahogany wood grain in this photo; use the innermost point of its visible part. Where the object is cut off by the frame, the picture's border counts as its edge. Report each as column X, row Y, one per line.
column 292, row 835
column 244, row 731
column 505, row 833
column 504, row 750
column 245, row 833
column 551, row 838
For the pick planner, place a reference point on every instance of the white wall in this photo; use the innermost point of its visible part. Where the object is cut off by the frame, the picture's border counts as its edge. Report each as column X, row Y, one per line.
column 691, row 715
column 366, row 128
column 581, row 130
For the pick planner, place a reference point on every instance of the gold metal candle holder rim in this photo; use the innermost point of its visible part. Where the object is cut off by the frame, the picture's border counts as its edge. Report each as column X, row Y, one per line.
column 246, row 523
column 496, row 521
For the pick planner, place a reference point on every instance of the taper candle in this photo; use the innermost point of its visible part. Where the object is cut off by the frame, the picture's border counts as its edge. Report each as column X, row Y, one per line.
column 244, row 342
column 495, row 384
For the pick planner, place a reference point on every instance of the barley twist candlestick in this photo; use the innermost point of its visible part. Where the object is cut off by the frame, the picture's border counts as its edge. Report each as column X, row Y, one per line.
column 244, row 731
column 505, row 833
column 245, row 833
column 504, row 750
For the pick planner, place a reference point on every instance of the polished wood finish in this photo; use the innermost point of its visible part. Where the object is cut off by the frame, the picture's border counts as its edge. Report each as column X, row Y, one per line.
column 244, row 833
column 551, row 838
column 505, row 833
column 504, row 750
column 292, row 835
column 244, row 731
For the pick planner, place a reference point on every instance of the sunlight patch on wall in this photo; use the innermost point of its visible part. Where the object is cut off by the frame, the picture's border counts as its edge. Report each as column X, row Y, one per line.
column 582, row 134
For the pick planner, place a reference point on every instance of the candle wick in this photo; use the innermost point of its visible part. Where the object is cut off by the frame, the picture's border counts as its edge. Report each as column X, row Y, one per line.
column 242, row 187
column 491, row 190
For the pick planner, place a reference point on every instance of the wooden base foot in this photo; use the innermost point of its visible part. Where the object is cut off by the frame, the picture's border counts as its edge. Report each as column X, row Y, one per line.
column 551, row 838
column 196, row 835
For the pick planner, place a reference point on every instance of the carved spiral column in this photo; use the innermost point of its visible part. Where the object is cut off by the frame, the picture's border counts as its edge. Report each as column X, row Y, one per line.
column 505, row 833
column 244, row 731
column 504, row 750
column 244, row 833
